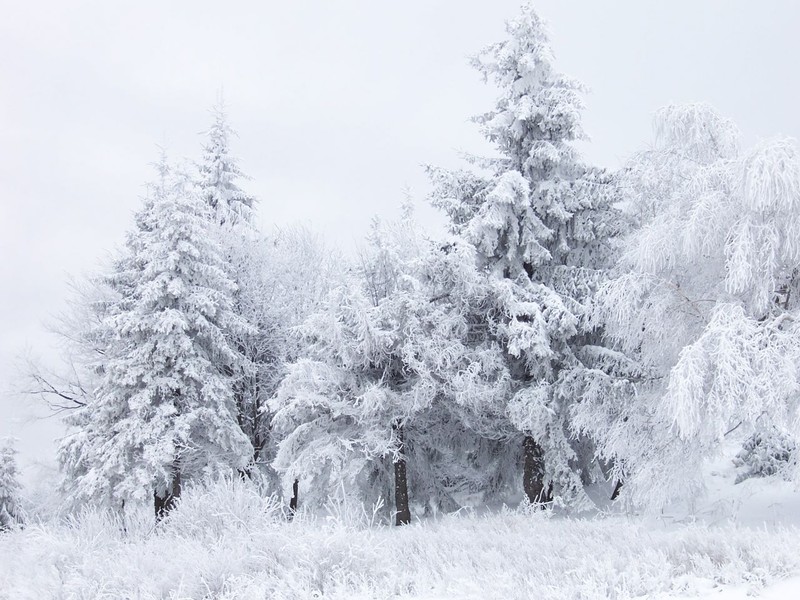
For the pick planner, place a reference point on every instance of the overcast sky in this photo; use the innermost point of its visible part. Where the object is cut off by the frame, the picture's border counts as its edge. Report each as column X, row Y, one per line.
column 338, row 103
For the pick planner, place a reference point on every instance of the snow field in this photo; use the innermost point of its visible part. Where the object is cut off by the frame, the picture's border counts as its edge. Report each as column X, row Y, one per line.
column 225, row 541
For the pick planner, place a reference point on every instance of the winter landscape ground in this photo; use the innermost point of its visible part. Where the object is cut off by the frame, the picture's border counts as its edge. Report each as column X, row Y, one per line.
column 226, row 540
column 229, row 542
column 583, row 383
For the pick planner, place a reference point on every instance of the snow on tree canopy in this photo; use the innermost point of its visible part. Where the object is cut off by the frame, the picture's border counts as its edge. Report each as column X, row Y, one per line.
column 543, row 226
column 391, row 374
column 164, row 410
column 706, row 300
column 220, row 172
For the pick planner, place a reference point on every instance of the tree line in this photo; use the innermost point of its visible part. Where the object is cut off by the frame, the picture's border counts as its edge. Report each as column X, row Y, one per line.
column 574, row 328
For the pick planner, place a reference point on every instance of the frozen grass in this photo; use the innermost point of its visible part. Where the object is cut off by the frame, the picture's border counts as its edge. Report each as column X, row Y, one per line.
column 227, row 542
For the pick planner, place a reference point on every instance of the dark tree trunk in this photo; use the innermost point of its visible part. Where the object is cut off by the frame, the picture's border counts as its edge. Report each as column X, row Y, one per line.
column 533, row 473
column 617, row 489
column 163, row 503
column 402, row 511
column 293, row 500
column 258, row 439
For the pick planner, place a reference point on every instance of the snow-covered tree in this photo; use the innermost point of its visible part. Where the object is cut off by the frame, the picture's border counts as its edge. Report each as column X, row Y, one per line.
column 164, row 411
column 10, row 504
column 341, row 411
column 542, row 223
column 220, row 173
column 706, row 302
column 380, row 402
column 282, row 278
column 231, row 213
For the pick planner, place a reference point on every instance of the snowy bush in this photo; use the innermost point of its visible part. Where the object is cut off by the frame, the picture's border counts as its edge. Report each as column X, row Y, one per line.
column 766, row 453
column 214, row 510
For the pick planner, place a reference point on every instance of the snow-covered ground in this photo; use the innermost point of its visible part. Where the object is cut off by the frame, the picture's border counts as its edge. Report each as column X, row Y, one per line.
column 787, row 589
column 227, row 542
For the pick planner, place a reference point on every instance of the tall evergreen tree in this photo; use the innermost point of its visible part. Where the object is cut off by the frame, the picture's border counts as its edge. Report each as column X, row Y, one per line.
column 231, row 213
column 220, row 173
column 542, row 223
column 10, row 505
column 280, row 279
column 164, row 412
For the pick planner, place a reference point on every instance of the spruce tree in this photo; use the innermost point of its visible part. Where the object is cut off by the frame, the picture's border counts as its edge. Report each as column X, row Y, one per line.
column 542, row 224
column 10, row 506
column 164, row 412
column 231, row 213
column 279, row 280
column 219, row 173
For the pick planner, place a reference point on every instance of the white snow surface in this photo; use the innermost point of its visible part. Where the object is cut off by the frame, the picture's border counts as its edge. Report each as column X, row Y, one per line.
column 225, row 541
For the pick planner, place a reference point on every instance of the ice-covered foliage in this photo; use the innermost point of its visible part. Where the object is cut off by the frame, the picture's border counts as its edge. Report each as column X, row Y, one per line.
column 766, row 453
column 391, row 373
column 543, row 226
column 341, row 407
column 10, row 501
column 706, row 301
column 164, row 410
column 282, row 278
column 220, row 173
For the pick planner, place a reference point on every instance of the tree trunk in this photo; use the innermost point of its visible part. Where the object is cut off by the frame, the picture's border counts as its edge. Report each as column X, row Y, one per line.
column 402, row 511
column 617, row 489
column 258, row 439
column 163, row 503
column 293, row 500
column 533, row 473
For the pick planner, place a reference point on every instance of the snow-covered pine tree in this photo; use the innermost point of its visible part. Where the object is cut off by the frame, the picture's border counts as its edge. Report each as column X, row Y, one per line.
column 231, row 213
column 542, row 223
column 88, row 329
column 10, row 504
column 280, row 279
column 342, row 412
column 220, row 173
column 164, row 412
column 374, row 407
column 706, row 302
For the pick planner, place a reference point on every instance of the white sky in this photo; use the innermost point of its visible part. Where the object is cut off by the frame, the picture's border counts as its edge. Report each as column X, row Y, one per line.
column 338, row 103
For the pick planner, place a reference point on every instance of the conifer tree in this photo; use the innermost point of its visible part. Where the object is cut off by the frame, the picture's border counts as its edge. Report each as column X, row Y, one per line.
column 10, row 506
column 219, row 173
column 375, row 410
column 164, row 412
column 280, row 278
column 542, row 223
column 231, row 213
